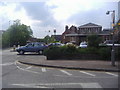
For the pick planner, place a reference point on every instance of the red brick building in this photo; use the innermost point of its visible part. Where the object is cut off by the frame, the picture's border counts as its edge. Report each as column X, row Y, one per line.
column 78, row 34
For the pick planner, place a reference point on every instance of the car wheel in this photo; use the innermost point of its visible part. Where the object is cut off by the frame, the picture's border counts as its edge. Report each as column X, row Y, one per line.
column 40, row 52
column 21, row 52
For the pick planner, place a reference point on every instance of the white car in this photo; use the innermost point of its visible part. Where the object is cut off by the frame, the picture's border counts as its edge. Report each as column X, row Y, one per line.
column 83, row 45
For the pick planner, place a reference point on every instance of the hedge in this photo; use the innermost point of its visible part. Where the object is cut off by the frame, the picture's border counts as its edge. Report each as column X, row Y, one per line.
column 71, row 52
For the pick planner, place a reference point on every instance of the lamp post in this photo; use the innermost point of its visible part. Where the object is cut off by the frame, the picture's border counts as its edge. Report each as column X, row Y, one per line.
column 55, row 34
column 113, row 38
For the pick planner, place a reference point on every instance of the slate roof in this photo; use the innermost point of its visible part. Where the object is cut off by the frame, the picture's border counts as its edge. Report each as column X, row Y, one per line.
column 89, row 25
column 57, row 37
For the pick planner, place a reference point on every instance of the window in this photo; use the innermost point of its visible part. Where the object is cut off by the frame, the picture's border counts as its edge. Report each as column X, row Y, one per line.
column 38, row 45
column 30, row 45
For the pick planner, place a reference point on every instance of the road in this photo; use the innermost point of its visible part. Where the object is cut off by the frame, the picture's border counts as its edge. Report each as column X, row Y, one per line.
column 17, row 75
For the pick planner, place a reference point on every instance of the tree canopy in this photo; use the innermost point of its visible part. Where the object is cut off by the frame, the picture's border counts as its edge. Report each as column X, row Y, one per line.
column 94, row 40
column 16, row 34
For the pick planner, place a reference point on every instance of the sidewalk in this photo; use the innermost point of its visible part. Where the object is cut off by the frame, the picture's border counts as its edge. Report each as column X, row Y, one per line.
column 97, row 65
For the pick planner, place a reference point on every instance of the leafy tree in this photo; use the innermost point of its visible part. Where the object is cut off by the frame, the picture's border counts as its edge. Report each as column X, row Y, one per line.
column 93, row 40
column 48, row 39
column 5, row 39
column 16, row 34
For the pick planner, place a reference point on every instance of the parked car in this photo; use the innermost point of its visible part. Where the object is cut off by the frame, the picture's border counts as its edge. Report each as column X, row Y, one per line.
column 32, row 47
column 109, row 43
column 83, row 44
column 69, row 43
column 55, row 44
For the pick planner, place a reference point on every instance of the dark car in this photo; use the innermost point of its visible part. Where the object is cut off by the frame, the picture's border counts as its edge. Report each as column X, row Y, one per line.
column 32, row 47
column 55, row 44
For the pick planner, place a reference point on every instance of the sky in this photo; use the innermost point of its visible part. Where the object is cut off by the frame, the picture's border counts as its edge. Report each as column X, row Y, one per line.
column 46, row 15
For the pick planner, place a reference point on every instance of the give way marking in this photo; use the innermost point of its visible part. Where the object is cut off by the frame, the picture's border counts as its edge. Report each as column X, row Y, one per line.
column 87, row 73
column 112, row 74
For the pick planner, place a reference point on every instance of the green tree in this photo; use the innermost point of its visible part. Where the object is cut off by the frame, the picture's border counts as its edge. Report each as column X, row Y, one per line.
column 5, row 39
column 93, row 40
column 48, row 39
column 16, row 34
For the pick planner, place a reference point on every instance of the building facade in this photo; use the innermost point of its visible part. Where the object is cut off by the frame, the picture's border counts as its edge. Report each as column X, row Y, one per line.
column 79, row 34
column 72, row 31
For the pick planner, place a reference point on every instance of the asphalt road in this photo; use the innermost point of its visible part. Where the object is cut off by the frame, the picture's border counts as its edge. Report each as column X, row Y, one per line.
column 17, row 75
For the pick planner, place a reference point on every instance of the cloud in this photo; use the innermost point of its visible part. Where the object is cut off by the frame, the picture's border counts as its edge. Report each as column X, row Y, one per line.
column 42, row 18
column 49, row 14
column 39, row 11
column 95, row 15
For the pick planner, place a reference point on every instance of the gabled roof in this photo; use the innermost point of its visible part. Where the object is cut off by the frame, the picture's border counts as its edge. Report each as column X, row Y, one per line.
column 89, row 25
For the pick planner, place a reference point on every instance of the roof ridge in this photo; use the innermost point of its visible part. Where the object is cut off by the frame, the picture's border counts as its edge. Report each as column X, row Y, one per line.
column 89, row 24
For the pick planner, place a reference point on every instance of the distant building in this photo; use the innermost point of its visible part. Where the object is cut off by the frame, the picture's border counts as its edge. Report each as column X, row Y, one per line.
column 57, row 37
column 88, row 29
column 32, row 39
column 72, row 31
column 78, row 34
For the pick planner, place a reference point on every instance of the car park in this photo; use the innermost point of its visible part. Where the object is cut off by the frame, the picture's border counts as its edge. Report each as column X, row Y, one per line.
column 109, row 43
column 32, row 47
column 55, row 44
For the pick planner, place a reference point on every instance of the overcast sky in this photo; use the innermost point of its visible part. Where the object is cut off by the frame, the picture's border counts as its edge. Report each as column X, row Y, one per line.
column 45, row 15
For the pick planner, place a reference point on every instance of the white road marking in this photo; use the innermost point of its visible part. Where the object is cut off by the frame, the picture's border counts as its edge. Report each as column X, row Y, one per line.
column 66, row 72
column 84, row 85
column 87, row 73
column 29, row 85
column 29, row 67
column 112, row 74
column 43, row 69
column 6, row 64
column 25, row 69
column 90, row 85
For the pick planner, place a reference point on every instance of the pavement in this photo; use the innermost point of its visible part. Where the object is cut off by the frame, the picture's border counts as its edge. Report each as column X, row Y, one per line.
column 95, row 65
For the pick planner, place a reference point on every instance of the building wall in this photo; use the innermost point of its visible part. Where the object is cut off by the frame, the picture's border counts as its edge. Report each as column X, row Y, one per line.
column 79, row 35
column 71, row 30
column 89, row 30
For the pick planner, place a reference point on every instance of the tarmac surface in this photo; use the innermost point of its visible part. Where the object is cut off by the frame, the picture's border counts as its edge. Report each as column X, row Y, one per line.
column 95, row 65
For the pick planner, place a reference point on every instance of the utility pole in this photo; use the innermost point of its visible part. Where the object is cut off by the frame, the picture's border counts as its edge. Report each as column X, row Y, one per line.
column 113, row 38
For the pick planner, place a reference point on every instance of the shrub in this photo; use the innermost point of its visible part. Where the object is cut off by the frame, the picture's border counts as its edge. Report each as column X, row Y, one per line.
column 71, row 52
column 94, row 40
column 117, row 53
column 57, row 52
column 88, row 50
column 70, row 49
column 52, row 52
column 105, row 53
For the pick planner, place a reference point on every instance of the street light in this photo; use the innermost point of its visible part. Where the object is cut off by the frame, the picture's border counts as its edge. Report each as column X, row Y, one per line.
column 113, row 38
column 55, row 34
